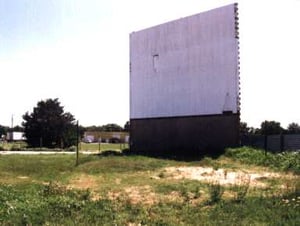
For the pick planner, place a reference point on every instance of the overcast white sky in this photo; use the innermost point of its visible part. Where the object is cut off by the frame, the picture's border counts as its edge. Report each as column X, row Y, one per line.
column 78, row 51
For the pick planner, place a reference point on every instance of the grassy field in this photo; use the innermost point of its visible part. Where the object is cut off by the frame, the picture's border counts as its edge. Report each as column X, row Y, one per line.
column 102, row 146
column 93, row 147
column 5, row 146
column 241, row 187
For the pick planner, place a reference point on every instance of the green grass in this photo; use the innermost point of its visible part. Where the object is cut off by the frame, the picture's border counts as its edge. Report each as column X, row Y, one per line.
column 94, row 147
column 44, row 190
column 7, row 146
column 122, row 164
column 102, row 147
column 54, row 205
column 285, row 161
column 35, row 167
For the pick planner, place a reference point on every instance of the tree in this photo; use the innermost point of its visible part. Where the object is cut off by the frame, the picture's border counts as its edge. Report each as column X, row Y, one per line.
column 270, row 128
column 3, row 130
column 18, row 129
column 81, row 131
column 293, row 128
column 111, row 128
column 127, row 126
column 49, row 126
column 93, row 128
column 246, row 131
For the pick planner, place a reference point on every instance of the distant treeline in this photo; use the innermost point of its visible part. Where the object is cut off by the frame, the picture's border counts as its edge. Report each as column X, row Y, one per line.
column 108, row 128
column 269, row 128
column 5, row 129
column 266, row 128
column 111, row 127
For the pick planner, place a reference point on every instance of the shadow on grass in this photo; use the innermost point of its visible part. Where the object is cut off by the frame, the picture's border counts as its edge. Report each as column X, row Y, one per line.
column 110, row 153
column 188, row 157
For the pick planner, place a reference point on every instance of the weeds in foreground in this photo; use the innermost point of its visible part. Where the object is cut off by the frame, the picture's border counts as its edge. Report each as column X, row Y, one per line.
column 189, row 195
column 241, row 188
column 285, row 161
column 53, row 204
column 34, row 203
column 215, row 191
column 187, row 190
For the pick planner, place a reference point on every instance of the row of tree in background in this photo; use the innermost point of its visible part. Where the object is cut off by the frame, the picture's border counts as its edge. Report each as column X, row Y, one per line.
column 108, row 128
column 269, row 128
column 49, row 126
column 111, row 127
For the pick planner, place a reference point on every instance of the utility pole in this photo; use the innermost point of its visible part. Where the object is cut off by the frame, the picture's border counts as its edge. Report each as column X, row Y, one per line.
column 10, row 132
column 12, row 122
column 77, row 144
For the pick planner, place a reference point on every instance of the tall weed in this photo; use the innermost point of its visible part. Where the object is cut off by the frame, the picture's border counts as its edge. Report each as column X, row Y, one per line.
column 285, row 161
column 215, row 191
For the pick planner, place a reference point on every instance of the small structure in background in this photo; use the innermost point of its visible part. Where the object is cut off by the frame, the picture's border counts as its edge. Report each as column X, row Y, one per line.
column 106, row 137
column 15, row 136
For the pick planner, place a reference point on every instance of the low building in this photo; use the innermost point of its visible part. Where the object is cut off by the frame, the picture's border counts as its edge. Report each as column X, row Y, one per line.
column 106, row 137
column 15, row 136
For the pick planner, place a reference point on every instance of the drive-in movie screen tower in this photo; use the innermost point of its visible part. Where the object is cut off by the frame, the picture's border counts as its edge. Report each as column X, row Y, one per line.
column 184, row 85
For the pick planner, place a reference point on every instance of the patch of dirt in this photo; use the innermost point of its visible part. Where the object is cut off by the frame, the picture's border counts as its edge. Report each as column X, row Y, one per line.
column 173, row 196
column 23, row 177
column 135, row 195
column 141, row 194
column 221, row 176
column 145, row 195
column 84, row 182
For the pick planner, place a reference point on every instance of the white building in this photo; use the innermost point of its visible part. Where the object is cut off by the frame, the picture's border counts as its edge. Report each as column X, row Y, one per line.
column 15, row 136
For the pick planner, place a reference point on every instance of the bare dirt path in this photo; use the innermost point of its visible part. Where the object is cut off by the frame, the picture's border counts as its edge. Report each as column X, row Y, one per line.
column 221, row 176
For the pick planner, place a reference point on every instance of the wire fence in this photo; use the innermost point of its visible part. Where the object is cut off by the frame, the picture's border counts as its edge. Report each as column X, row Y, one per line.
column 273, row 143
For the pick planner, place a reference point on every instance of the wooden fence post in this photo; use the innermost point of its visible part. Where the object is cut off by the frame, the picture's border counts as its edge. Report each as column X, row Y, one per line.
column 77, row 144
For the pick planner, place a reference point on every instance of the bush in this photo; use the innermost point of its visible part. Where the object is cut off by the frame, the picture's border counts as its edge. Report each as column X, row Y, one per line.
column 286, row 161
column 16, row 147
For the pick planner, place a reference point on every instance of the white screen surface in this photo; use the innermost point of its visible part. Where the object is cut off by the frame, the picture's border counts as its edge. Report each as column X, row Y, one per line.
column 186, row 67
